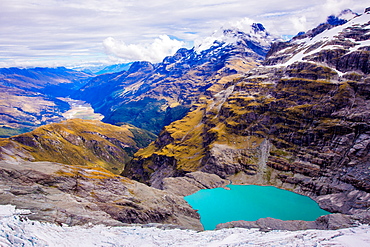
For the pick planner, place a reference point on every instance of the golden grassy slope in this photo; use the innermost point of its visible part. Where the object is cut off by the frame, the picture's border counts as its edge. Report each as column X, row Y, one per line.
column 81, row 142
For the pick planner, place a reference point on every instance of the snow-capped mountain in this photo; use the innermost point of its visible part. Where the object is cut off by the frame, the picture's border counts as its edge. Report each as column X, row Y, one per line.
column 333, row 45
column 300, row 123
column 166, row 91
column 342, row 18
column 251, row 35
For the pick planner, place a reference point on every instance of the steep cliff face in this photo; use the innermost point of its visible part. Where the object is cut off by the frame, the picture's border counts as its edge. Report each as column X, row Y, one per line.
column 151, row 96
column 301, row 122
column 79, row 142
column 76, row 195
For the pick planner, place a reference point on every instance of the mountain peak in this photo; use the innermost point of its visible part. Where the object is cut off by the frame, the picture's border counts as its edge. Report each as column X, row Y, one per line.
column 235, row 33
column 332, row 21
column 347, row 14
column 140, row 66
column 342, row 18
column 258, row 27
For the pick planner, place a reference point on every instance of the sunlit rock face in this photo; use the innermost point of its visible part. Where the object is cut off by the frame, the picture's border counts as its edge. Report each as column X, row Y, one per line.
column 300, row 122
column 73, row 195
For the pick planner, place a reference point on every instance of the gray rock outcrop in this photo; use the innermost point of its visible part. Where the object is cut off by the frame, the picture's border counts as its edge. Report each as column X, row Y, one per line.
column 326, row 222
column 192, row 182
column 75, row 195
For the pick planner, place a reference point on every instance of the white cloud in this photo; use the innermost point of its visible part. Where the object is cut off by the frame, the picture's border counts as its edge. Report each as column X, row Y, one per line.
column 242, row 24
column 334, row 7
column 299, row 23
column 153, row 52
column 55, row 30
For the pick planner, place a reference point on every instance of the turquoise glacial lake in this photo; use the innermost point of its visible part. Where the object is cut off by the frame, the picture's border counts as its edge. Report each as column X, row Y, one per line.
column 250, row 203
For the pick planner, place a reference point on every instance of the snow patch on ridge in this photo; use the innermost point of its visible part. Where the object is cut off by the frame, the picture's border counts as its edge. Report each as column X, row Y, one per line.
column 360, row 45
column 323, row 38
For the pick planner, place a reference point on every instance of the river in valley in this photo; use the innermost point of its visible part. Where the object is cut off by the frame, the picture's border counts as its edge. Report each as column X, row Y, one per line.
column 80, row 109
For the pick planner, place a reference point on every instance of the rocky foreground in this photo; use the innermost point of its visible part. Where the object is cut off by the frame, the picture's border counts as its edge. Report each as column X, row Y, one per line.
column 15, row 231
column 70, row 195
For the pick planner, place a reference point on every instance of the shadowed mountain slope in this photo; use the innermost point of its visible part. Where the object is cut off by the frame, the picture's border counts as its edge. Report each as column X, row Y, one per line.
column 57, row 82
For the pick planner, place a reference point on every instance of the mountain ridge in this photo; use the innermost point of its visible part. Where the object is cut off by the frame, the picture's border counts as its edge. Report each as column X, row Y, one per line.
column 299, row 122
column 164, row 92
column 41, row 79
column 79, row 142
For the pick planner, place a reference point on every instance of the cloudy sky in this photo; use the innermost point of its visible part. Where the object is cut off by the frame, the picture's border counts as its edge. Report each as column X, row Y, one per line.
column 70, row 32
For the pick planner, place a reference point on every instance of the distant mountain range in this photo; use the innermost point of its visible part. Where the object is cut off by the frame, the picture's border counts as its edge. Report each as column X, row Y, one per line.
column 52, row 81
column 114, row 68
column 103, row 69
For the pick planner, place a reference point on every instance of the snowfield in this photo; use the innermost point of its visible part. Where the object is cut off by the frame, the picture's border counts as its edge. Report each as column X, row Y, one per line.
column 17, row 231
